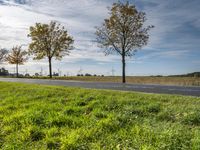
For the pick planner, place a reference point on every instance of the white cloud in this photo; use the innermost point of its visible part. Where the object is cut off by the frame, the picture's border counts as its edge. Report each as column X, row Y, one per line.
column 80, row 16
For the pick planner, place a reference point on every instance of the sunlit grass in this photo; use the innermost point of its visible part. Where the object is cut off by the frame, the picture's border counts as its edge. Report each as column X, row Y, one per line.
column 53, row 117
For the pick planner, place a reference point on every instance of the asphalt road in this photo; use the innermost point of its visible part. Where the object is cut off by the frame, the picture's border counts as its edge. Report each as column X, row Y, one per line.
column 179, row 90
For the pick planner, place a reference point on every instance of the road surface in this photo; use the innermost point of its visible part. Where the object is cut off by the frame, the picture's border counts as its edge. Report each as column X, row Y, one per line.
column 162, row 89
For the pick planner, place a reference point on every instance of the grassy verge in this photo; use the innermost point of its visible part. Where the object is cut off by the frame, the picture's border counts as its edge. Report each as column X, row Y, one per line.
column 53, row 117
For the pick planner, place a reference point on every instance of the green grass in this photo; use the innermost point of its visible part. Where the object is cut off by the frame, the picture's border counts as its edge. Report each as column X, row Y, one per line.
column 52, row 117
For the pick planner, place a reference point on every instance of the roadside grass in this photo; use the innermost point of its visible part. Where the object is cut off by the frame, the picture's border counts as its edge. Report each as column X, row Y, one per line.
column 55, row 117
column 181, row 81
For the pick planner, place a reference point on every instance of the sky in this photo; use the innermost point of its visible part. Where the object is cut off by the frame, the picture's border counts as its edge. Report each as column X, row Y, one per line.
column 173, row 47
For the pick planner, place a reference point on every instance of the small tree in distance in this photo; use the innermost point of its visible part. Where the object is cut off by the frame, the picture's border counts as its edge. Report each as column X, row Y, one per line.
column 49, row 40
column 17, row 56
column 123, row 33
column 3, row 53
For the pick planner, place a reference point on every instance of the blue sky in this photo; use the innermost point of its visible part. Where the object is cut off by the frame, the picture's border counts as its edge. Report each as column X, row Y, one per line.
column 173, row 48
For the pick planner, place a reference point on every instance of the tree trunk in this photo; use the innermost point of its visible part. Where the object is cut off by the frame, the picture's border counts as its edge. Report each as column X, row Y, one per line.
column 50, row 68
column 17, row 71
column 123, row 69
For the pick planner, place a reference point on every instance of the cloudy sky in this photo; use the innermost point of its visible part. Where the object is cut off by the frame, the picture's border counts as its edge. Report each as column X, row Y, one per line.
column 174, row 45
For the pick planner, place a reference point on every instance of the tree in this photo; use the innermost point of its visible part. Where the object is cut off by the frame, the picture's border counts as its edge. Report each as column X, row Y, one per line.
column 17, row 56
column 123, row 33
column 3, row 72
column 49, row 40
column 3, row 53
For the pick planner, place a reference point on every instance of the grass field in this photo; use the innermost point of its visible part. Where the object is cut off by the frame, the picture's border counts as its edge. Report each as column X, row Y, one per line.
column 183, row 81
column 52, row 117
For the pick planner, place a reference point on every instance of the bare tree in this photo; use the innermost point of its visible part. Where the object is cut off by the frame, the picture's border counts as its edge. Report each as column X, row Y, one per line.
column 123, row 33
column 3, row 53
column 49, row 40
column 17, row 56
